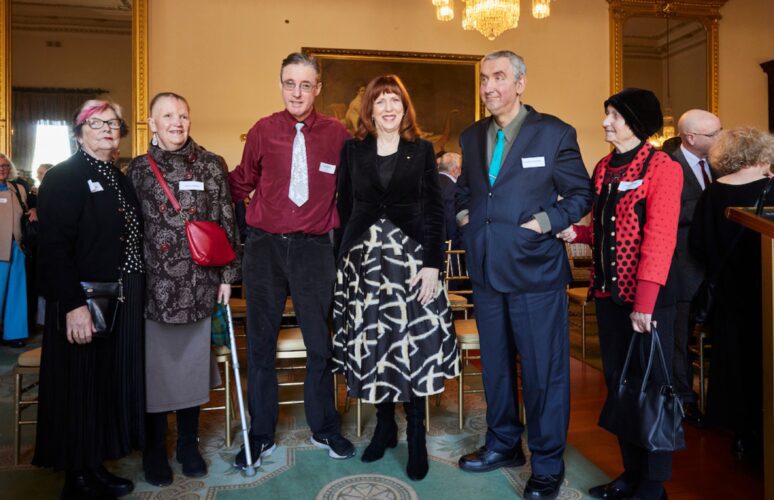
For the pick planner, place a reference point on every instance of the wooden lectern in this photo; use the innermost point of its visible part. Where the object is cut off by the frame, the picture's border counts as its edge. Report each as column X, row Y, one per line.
column 765, row 226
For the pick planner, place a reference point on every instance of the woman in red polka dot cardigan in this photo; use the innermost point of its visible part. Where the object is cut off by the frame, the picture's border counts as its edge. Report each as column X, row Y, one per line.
column 633, row 235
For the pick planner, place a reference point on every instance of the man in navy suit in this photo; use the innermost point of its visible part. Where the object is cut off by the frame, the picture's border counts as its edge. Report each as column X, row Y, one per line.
column 698, row 130
column 515, row 166
column 449, row 165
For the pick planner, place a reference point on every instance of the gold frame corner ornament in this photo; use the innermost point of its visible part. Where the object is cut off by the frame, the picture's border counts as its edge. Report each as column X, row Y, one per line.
column 706, row 12
column 139, row 76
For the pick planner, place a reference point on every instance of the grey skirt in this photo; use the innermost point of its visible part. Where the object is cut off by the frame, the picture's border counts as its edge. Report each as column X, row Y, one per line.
column 179, row 367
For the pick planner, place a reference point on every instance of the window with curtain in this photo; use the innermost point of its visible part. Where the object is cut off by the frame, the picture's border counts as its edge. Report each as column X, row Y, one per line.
column 52, row 142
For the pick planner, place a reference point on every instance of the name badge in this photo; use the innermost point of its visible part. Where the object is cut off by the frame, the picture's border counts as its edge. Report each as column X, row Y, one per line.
column 3, row 201
column 191, row 186
column 327, row 168
column 629, row 185
column 534, row 162
column 95, row 186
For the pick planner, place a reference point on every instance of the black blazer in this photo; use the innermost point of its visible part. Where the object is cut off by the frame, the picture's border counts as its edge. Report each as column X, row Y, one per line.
column 80, row 233
column 412, row 199
column 448, row 193
column 689, row 270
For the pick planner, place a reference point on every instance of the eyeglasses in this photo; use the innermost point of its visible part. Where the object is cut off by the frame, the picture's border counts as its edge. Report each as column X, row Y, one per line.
column 5, row 165
column 713, row 134
column 306, row 87
column 97, row 124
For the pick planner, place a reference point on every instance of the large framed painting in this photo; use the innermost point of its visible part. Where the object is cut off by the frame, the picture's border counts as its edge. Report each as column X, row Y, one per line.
column 444, row 88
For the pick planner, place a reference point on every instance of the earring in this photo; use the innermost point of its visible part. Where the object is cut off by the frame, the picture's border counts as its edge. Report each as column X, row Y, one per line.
column 155, row 139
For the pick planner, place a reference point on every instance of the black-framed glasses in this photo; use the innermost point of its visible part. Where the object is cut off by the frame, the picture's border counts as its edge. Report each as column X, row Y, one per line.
column 713, row 134
column 96, row 123
column 306, row 87
column 5, row 165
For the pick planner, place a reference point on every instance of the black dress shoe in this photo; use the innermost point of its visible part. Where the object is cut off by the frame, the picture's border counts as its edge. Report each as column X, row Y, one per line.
column 82, row 486
column 613, row 490
column 484, row 460
column 693, row 416
column 118, row 486
column 16, row 344
column 544, row 487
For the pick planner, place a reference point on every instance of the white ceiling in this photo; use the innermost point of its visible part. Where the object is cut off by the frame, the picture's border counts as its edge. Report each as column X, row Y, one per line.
column 108, row 16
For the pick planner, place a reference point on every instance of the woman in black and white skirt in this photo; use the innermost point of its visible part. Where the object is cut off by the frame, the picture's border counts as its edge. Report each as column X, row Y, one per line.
column 394, row 337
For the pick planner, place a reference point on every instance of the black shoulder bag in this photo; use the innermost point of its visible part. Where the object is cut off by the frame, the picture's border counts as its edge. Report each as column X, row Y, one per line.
column 29, row 229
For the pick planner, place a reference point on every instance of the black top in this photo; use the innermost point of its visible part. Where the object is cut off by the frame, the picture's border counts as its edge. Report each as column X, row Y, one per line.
column 89, row 228
column 386, row 167
column 411, row 199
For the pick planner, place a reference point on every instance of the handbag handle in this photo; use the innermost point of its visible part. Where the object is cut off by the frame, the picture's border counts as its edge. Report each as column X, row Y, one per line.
column 655, row 351
column 175, row 204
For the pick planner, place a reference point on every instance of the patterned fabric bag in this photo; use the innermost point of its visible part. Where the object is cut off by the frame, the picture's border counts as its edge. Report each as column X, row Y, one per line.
column 220, row 326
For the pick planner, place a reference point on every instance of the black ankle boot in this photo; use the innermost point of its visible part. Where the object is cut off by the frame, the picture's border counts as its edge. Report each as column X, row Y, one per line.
column 385, row 434
column 417, row 466
column 154, row 456
column 83, row 485
column 188, row 443
column 118, row 486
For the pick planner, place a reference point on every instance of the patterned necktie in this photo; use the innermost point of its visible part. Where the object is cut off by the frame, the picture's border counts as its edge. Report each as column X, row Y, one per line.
column 299, row 179
column 704, row 175
column 497, row 157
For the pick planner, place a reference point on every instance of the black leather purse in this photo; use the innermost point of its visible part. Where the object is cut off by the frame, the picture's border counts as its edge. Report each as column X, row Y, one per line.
column 646, row 412
column 104, row 300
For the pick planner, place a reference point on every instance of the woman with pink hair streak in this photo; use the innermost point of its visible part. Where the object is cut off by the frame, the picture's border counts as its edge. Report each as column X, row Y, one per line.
column 91, row 403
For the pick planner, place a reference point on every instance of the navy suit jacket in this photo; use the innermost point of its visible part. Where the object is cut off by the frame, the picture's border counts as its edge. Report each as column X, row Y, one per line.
column 689, row 270
column 448, row 192
column 500, row 253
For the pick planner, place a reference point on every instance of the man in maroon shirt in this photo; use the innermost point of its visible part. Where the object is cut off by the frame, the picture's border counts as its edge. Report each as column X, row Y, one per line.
column 290, row 160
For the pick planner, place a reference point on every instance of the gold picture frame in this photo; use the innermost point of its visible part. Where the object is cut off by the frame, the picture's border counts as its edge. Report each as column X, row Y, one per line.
column 139, row 76
column 706, row 12
column 444, row 88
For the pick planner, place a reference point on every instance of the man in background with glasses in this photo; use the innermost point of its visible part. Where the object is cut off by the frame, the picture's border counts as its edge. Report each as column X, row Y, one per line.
column 290, row 160
column 698, row 130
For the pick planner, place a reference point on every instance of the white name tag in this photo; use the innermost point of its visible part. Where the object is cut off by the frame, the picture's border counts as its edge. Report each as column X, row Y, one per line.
column 94, row 186
column 534, row 162
column 191, row 186
column 629, row 185
column 3, row 200
column 327, row 168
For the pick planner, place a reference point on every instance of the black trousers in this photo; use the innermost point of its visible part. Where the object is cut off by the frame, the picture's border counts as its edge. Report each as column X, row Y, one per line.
column 681, row 362
column 304, row 264
column 615, row 332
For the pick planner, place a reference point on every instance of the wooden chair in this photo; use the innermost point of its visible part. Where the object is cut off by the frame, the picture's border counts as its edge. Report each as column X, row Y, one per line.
column 468, row 340
column 223, row 358
column 28, row 363
column 701, row 362
column 577, row 254
column 457, row 272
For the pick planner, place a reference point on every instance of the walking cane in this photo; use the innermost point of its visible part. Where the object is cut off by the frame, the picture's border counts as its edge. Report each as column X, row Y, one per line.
column 249, row 470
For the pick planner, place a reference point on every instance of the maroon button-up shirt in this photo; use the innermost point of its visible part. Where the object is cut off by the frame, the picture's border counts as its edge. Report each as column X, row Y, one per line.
column 265, row 168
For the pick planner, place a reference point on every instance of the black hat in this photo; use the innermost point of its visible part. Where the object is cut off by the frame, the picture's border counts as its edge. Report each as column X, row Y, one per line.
column 640, row 109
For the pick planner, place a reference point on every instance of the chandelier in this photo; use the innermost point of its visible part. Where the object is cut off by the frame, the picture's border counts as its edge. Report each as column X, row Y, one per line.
column 490, row 17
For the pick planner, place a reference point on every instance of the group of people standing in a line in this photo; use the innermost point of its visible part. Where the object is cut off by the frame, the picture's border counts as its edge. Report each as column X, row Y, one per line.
column 357, row 225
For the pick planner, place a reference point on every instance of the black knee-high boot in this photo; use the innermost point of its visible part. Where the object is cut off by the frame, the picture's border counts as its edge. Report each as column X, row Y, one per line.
column 417, row 466
column 154, row 456
column 385, row 434
column 188, row 443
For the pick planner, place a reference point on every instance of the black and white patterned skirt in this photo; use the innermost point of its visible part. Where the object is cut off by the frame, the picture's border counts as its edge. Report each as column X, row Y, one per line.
column 386, row 343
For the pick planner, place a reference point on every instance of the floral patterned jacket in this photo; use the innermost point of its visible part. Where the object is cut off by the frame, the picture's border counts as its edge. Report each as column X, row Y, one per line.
column 179, row 291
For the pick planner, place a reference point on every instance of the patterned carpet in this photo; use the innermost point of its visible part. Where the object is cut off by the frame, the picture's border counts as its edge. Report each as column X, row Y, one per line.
column 297, row 470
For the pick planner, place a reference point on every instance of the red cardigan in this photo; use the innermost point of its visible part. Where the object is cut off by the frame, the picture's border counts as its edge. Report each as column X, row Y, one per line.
column 647, row 259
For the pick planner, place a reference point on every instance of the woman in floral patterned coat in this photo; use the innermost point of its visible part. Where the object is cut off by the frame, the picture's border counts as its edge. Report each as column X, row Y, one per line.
column 180, row 294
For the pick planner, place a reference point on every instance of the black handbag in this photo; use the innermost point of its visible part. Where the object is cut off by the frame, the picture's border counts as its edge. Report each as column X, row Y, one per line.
column 29, row 229
column 645, row 412
column 103, row 300
column 706, row 295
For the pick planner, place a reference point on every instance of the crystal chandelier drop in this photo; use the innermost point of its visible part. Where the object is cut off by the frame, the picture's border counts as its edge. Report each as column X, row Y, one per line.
column 444, row 9
column 541, row 9
column 490, row 17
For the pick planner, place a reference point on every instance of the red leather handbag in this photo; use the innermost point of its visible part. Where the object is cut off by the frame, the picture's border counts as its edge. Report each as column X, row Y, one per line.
column 207, row 241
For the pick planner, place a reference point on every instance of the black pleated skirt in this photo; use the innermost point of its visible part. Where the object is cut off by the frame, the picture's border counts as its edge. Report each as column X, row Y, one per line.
column 92, row 396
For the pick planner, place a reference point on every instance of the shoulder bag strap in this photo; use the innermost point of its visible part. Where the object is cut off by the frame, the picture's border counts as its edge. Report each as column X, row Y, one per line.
column 18, row 195
column 163, row 183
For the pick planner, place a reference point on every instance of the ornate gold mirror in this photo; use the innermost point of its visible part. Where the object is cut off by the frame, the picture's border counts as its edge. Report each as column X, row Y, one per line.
column 670, row 47
column 35, row 21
